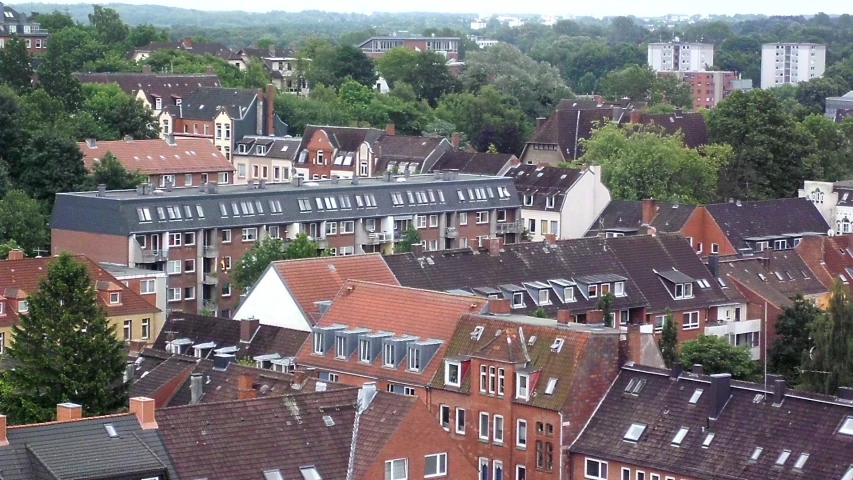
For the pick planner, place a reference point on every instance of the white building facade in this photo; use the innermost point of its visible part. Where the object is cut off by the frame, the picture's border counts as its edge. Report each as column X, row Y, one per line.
column 791, row 63
column 680, row 56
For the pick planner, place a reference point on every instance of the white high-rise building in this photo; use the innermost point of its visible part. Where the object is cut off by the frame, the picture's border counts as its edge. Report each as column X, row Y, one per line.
column 791, row 63
column 680, row 56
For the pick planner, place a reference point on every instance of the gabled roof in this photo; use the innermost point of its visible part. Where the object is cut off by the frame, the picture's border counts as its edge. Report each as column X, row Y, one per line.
column 282, row 148
column 157, row 156
column 566, row 127
column 83, row 450
column 543, row 182
column 205, row 102
column 312, row 280
column 767, row 218
column 422, row 315
column 837, row 258
column 397, row 150
column 626, row 216
column 691, row 124
column 752, row 417
column 775, row 276
column 166, row 86
column 476, row 163
column 344, row 139
column 187, row 45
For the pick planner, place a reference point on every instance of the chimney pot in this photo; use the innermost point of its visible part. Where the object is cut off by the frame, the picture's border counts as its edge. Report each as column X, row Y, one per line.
column 539, row 122
column 387, row 176
column 68, row 411
column 129, row 369
column 16, row 254
column 676, row 370
column 495, row 246
column 564, row 316
column 390, row 129
column 4, row 438
column 650, row 210
column 698, row 369
column 143, row 408
column 245, row 389
column 456, row 140
column 635, row 344
column 196, row 388
column 714, row 265
column 102, row 190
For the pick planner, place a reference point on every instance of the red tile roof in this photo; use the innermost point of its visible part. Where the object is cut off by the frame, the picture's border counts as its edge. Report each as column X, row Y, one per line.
column 425, row 314
column 187, row 155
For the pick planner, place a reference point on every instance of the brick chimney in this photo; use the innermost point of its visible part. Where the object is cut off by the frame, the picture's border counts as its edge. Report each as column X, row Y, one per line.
column 456, row 140
column 4, row 439
column 564, row 316
column 499, row 306
column 495, row 245
column 270, row 109
column 636, row 116
column 143, row 408
column 245, row 390
column 595, row 316
column 68, row 411
column 539, row 122
column 635, row 344
column 187, row 42
column 259, row 117
column 209, row 69
column 16, row 254
column 390, row 129
column 146, row 69
column 650, row 209
column 299, row 378
column 550, row 238
column 248, row 327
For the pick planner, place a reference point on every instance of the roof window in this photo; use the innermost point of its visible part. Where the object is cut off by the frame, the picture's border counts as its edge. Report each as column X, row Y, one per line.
column 679, row 436
column 755, row 454
column 849, row 474
column 273, row 475
column 801, row 461
column 552, row 384
column 635, row 431
column 557, row 345
column 847, row 427
column 708, row 439
column 783, row 457
column 111, row 430
column 695, row 397
column 310, row 473
column 478, row 331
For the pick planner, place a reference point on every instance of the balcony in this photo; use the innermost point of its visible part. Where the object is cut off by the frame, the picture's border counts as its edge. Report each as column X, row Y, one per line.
column 321, row 243
column 512, row 227
column 375, row 238
column 210, row 251
column 721, row 329
column 209, row 305
column 154, row 256
column 451, row 232
column 210, row 279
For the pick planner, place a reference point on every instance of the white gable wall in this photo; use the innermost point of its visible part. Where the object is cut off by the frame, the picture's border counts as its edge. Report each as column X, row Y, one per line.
column 272, row 304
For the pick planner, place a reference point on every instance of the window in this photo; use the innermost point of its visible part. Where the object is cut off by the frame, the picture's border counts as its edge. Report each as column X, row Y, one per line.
column 436, row 465
column 397, row 469
column 173, row 294
column 189, row 293
column 691, row 320
column 250, row 234
column 679, row 436
column 847, row 427
column 273, row 231
column 347, row 227
column 463, row 218
column 223, row 176
column 549, row 202
column 499, row 429
column 595, row 469
column 460, row 421
column 484, row 426
column 173, row 267
column 452, row 375
column 521, row 433
column 593, row 291
column 635, row 431
column 517, row 300
column 414, row 356
column 175, row 239
column 520, row 472
column 528, row 200
column 783, row 457
column 340, row 347
column 127, row 330
column 522, row 386
column 715, row 248
column 433, row 220
column 483, row 378
column 482, row 217
column 115, row 298
column 226, row 236
column 492, row 379
column 226, row 289
column 641, row 475
column 331, row 228
column 619, row 289
column 498, row 469
column 146, row 328
column 189, row 265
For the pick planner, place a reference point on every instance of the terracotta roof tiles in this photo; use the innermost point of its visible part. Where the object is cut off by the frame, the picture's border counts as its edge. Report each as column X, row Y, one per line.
column 154, row 157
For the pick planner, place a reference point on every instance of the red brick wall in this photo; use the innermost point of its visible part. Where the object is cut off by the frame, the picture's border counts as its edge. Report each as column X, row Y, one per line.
column 98, row 247
column 755, row 309
column 614, row 469
column 701, row 227
column 319, row 141
column 178, row 128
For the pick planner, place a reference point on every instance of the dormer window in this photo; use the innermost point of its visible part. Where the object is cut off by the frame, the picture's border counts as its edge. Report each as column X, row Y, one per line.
column 780, row 244
column 340, row 347
column 569, row 294
column 619, row 289
column 683, row 290
column 543, row 297
column 592, row 290
column 115, row 298
column 518, row 300
column 261, row 150
column 242, row 148
column 549, row 202
column 388, row 355
column 158, row 103
column 23, row 306
column 364, row 351
column 318, row 343
column 522, row 386
column 414, row 359
column 528, row 200
column 452, row 374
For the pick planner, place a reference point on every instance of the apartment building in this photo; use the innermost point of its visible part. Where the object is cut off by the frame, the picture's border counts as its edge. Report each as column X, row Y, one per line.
column 680, row 56
column 375, row 47
column 791, row 63
column 346, row 152
column 196, row 234
column 14, row 23
column 264, row 158
column 282, row 65
column 709, row 87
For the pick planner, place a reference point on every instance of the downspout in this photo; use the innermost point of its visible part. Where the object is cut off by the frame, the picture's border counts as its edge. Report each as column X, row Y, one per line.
column 561, row 447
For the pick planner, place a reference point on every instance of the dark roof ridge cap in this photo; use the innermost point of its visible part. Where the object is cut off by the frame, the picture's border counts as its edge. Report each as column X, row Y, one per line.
column 82, row 419
column 423, row 290
column 299, row 393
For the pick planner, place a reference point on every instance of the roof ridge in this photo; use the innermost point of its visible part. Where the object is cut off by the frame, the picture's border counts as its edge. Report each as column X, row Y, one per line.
column 74, row 420
column 423, row 290
column 298, row 393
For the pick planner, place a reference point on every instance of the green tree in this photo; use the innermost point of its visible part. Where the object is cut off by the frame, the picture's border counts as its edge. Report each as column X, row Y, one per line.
column 51, row 165
column 75, row 46
column 668, row 342
column 540, row 313
column 768, row 146
column 333, row 65
column 717, row 355
column 11, row 129
column 792, row 339
column 829, row 363
column 487, row 118
column 670, row 90
column 831, row 156
column 411, row 237
column 653, row 164
column 119, row 113
column 256, row 74
column 53, row 22
column 111, row 31
column 65, row 349
column 142, row 35
column 605, row 304
column 253, row 263
column 110, row 172
column 425, row 72
column 812, row 94
column 5, row 248
column 57, row 79
column 634, row 82
column 23, row 221
column 16, row 65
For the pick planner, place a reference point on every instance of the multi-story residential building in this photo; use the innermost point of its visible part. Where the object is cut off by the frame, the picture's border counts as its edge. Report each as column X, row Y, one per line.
column 15, row 24
column 629, row 217
column 838, row 108
column 834, row 201
column 185, row 45
column 680, row 56
column 134, row 318
column 168, row 162
column 475, row 163
column 294, row 294
column 283, row 67
column 138, row 280
column 224, row 115
column 343, row 151
column 791, row 63
column 657, row 425
column 709, row 87
column 195, row 234
column 559, row 201
column 266, row 158
column 357, row 433
column 375, row 47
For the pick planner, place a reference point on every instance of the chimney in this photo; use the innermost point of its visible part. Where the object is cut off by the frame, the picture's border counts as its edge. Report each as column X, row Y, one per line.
column 494, row 246
column 16, row 254
column 259, row 117
column 168, row 185
column 365, row 395
column 387, row 176
column 128, row 138
column 270, row 109
column 550, row 238
column 636, row 116
column 102, row 190
column 714, row 265
column 456, row 140
column 245, row 390
column 390, row 129
column 68, row 411
column 221, row 360
column 539, row 122
column 499, row 306
column 698, row 369
column 334, row 179
column 4, row 439
column 676, row 370
column 202, row 187
column 297, row 181
column 272, row 50
column 128, row 372
column 196, row 388
column 845, row 393
column 650, row 209
column 721, row 388
column 564, row 316
column 299, row 378
column 262, row 184
column 146, row 69
column 635, row 344
column 248, row 327
column 417, row 250
column 595, row 316
column 250, row 184
column 678, row 113
column 779, row 389
column 170, row 139
column 354, row 180
column 143, row 407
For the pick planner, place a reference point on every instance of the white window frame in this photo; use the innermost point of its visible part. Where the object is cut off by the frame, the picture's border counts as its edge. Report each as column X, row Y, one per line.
column 250, row 234
column 459, row 427
column 484, row 435
column 482, row 217
column 146, row 328
column 498, row 429
column 115, row 298
column 601, row 471
column 171, row 297
column 521, row 433
column 174, row 267
column 447, row 380
column 693, row 324
column 522, row 392
column 444, row 413
column 463, row 218
column 391, row 463
column 619, row 289
column 438, row 464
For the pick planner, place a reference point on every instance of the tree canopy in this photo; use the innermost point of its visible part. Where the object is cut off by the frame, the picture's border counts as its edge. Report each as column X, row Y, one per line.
column 252, row 264
column 828, row 364
column 717, row 355
column 792, row 339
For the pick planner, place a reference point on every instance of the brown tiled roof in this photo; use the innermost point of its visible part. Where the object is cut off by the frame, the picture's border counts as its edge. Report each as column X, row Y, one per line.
column 766, row 218
column 313, row 280
column 837, row 258
column 477, row 163
column 165, row 86
column 690, row 124
column 627, row 216
column 196, row 48
column 424, row 314
column 154, row 157
column 405, row 149
column 543, row 182
column 751, row 418
column 345, row 139
column 796, row 277
column 566, row 127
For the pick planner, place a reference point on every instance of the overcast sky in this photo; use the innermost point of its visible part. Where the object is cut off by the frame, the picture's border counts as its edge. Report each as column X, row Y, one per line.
column 543, row 7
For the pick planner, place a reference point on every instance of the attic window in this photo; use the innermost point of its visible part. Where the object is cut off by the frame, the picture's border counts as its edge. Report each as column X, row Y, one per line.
column 683, row 290
column 779, row 276
column 452, row 374
column 557, row 345
column 679, row 436
column 755, row 454
column 722, row 282
column 635, row 386
column 478, row 331
column 273, row 475
column 552, row 384
column 842, row 278
column 310, row 473
column 522, row 386
column 695, row 397
column 111, row 430
column 115, row 298
column 849, row 474
column 635, row 431
column 801, row 461
column 847, row 427
column 708, row 439
column 762, row 277
column 328, row 421
column 783, row 457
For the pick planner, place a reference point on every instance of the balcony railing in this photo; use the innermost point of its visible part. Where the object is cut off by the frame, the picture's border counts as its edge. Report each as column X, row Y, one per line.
column 154, row 256
column 210, row 251
column 721, row 329
column 451, row 232
column 375, row 238
column 210, row 279
column 511, row 227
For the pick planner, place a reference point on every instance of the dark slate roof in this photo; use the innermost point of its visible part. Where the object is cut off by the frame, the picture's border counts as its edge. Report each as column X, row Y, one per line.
column 196, row 48
column 566, row 127
column 655, row 262
column 619, row 215
column 405, row 151
column 690, row 124
column 117, row 214
column 543, row 182
column 767, row 218
column 281, row 148
column 166, row 86
column 345, row 139
column 156, row 370
column 567, row 262
column 796, row 277
column 204, row 103
column 82, row 450
column 225, row 332
column 752, row 417
column 477, row 163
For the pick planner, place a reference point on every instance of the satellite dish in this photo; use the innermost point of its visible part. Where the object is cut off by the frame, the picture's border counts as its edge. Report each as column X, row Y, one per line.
column 830, row 232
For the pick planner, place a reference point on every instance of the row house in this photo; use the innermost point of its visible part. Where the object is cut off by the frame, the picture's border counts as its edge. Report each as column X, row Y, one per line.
column 167, row 162
column 134, row 318
column 155, row 90
column 282, row 65
column 630, row 217
column 151, row 284
column 187, row 45
column 375, row 47
column 661, row 425
column 294, row 294
column 558, row 201
column 196, row 234
column 15, row 24
column 357, row 433
column 264, row 158
column 224, row 115
column 402, row 153
column 342, row 151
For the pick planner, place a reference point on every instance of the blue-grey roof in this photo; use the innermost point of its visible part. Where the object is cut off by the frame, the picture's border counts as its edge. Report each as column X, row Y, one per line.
column 118, row 212
column 83, row 450
column 205, row 102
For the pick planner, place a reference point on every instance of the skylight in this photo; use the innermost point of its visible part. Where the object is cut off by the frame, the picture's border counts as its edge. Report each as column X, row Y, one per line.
column 329, row 421
column 557, row 345
column 783, row 457
column 273, row 475
column 552, row 384
column 635, row 431
column 779, row 276
column 111, row 430
column 801, row 461
column 756, row 453
column 708, row 439
column 849, row 474
column 310, row 473
column 847, row 427
column 696, row 394
column 679, row 437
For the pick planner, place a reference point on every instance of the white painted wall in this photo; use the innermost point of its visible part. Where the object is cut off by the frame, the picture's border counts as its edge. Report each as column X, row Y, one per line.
column 824, row 199
column 272, row 304
column 583, row 203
